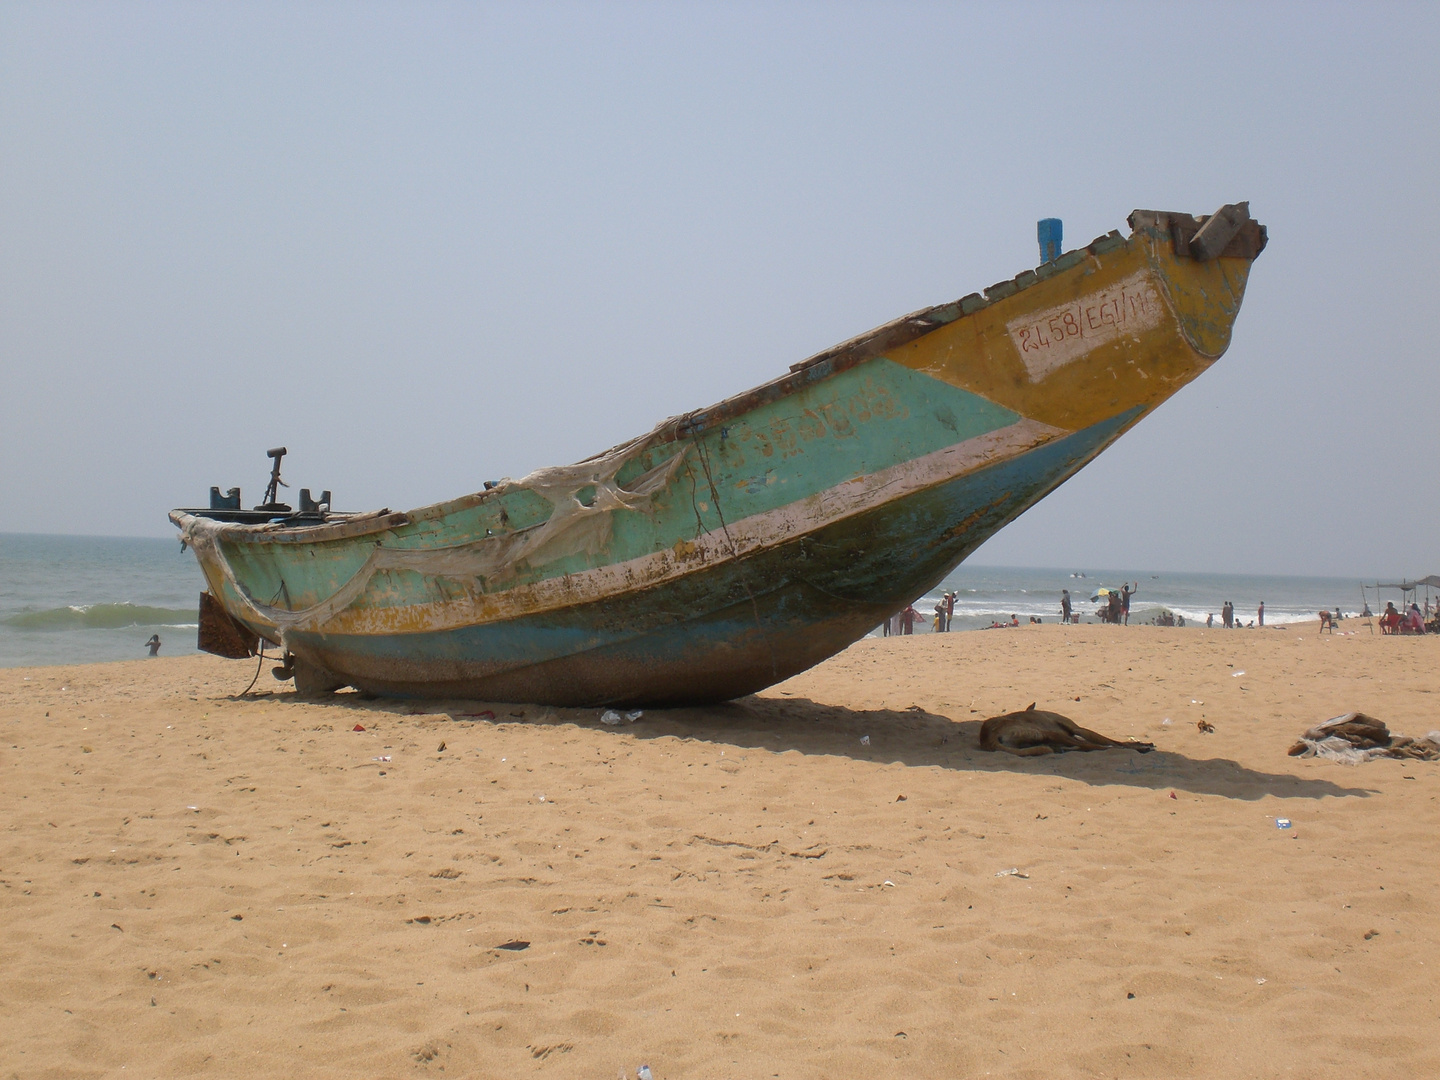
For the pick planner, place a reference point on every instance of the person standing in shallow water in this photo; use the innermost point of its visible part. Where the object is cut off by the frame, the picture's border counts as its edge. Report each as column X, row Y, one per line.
column 153, row 644
column 1261, row 614
column 1125, row 593
column 1065, row 605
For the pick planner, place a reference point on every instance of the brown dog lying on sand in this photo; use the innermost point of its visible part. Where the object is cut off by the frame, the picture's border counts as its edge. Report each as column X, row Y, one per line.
column 1032, row 732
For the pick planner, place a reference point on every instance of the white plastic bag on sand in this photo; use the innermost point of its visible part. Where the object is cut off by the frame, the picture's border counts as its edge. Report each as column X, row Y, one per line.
column 1335, row 748
column 613, row 718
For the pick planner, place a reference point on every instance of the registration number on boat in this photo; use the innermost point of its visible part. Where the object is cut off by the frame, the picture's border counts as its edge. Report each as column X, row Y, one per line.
column 1050, row 339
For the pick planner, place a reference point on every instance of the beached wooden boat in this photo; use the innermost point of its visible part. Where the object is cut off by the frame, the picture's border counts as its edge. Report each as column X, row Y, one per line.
column 737, row 545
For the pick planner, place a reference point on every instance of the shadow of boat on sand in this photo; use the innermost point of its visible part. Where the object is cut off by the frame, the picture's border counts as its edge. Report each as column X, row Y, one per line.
column 910, row 737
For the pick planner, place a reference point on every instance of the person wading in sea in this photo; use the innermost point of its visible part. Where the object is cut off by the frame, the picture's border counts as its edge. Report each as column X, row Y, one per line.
column 1125, row 593
column 1065, row 605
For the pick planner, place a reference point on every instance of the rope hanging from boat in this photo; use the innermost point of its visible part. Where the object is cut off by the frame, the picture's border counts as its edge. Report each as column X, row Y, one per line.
column 258, row 665
column 704, row 457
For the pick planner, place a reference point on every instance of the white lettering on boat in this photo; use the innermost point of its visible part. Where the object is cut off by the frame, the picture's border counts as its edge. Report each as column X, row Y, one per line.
column 1050, row 339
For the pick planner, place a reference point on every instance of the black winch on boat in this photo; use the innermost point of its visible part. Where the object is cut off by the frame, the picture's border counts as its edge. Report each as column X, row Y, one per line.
column 227, row 507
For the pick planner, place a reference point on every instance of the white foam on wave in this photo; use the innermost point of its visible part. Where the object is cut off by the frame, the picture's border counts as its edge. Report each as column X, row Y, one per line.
column 1194, row 617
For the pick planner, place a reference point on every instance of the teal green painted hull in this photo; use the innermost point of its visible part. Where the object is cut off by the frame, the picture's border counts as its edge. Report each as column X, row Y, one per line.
column 857, row 423
column 719, row 634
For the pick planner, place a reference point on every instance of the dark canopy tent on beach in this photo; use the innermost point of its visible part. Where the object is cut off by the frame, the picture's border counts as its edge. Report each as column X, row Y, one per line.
column 1431, row 581
column 1407, row 590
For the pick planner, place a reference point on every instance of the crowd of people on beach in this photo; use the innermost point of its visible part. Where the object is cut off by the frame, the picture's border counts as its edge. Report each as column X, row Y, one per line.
column 1413, row 621
column 904, row 622
column 1114, row 609
column 1114, row 605
column 1228, row 620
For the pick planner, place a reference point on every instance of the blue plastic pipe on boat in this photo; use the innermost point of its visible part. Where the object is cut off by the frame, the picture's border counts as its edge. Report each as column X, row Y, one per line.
column 1048, row 230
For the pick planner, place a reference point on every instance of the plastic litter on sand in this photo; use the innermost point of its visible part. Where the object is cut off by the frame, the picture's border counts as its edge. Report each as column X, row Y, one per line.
column 864, row 740
column 1014, row 871
column 1282, row 823
column 612, row 718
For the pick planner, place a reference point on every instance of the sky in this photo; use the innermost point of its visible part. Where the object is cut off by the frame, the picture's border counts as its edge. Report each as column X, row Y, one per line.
column 425, row 245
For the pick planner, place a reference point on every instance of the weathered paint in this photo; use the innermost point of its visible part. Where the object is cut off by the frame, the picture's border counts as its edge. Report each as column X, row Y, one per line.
column 735, row 546
column 1053, row 337
column 737, row 628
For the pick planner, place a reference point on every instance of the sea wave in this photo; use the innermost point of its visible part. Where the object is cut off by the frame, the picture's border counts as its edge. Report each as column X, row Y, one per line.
column 101, row 617
column 1144, row 613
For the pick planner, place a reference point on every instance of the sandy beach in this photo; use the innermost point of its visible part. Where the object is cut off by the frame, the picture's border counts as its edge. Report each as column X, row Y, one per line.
column 192, row 883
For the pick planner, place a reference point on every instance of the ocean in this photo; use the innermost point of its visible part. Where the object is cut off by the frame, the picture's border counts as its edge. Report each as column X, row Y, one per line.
column 85, row 599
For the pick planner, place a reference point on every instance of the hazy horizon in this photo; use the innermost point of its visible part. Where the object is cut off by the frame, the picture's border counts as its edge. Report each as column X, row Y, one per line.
column 428, row 246
column 1099, row 573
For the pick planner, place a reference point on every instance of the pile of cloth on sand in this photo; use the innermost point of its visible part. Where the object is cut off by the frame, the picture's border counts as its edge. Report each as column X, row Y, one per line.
column 1355, row 737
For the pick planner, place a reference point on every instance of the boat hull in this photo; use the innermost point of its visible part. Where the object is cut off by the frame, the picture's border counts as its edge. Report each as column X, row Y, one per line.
column 722, row 634
column 734, row 547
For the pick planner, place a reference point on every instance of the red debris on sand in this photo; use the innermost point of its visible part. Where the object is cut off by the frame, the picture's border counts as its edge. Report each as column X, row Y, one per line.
column 357, row 727
column 1174, row 796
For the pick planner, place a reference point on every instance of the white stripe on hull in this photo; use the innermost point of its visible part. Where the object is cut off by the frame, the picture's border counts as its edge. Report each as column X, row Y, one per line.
column 743, row 537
